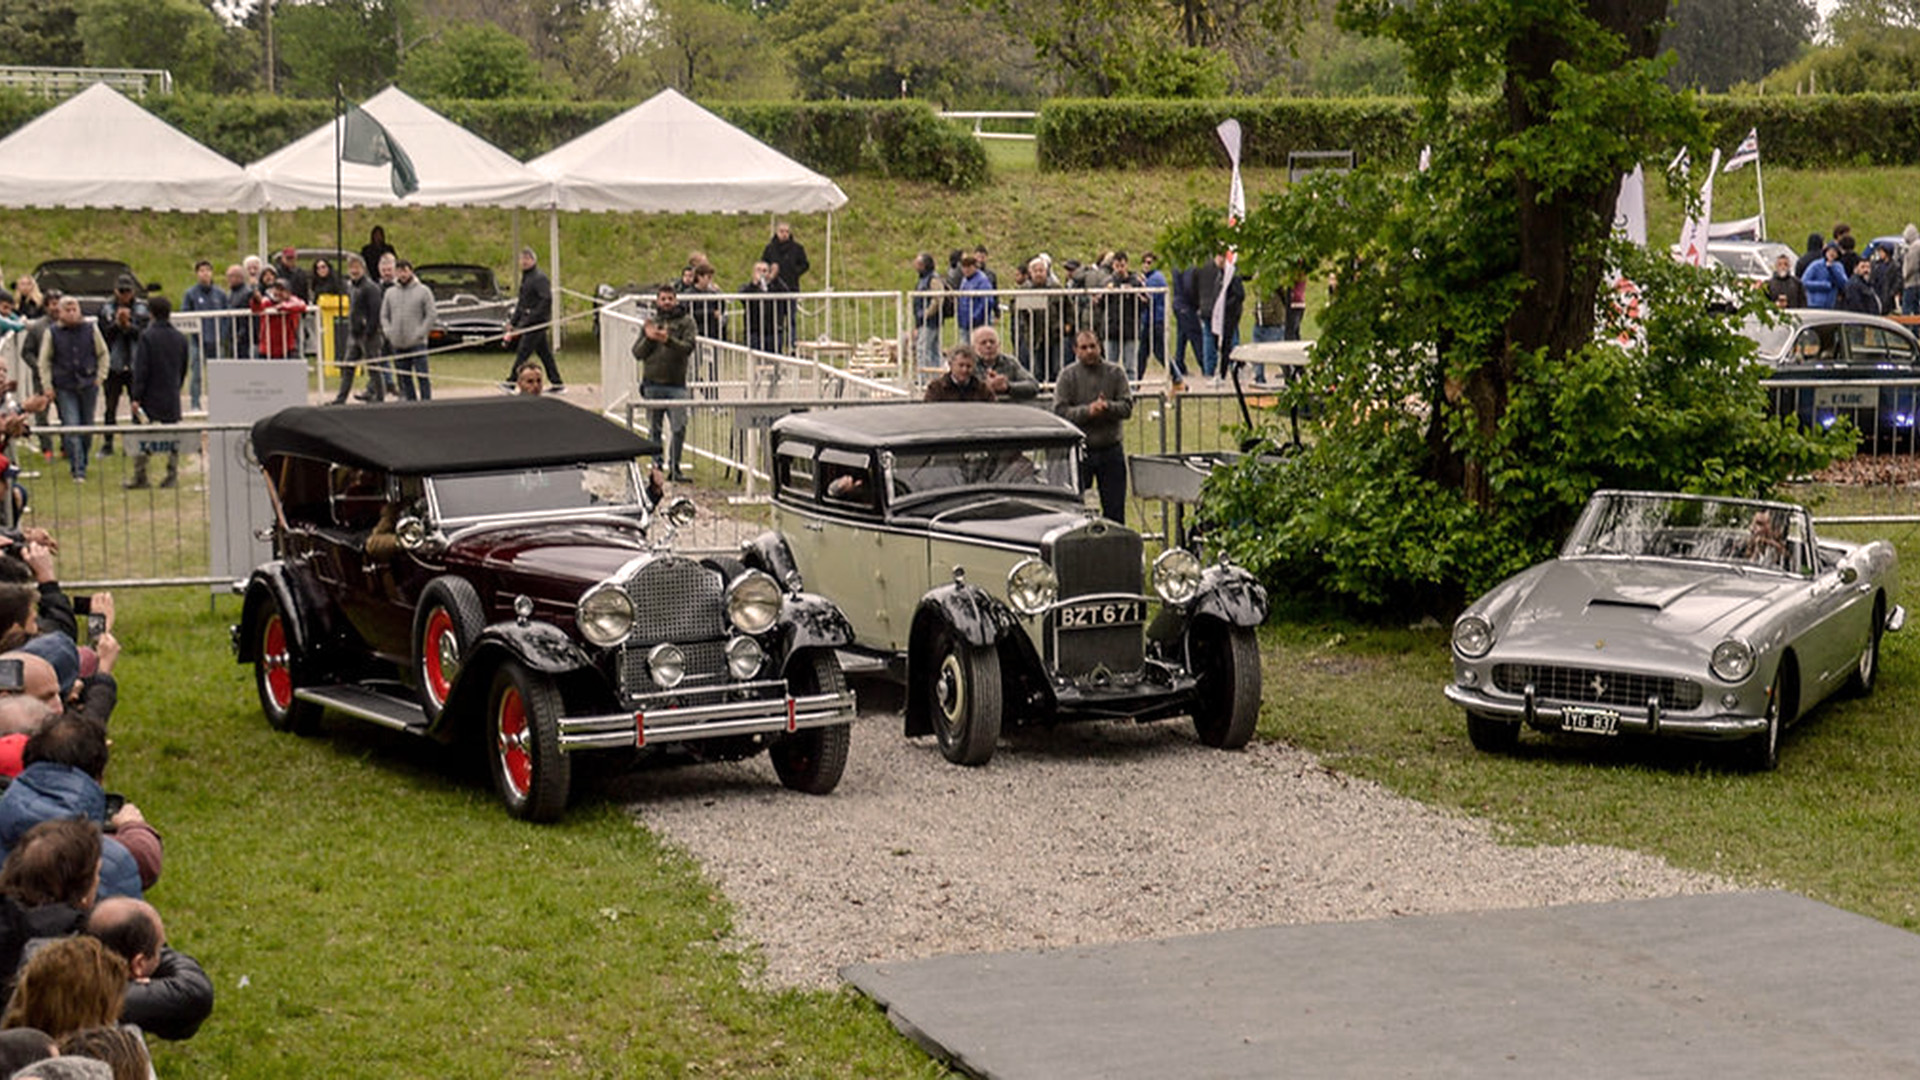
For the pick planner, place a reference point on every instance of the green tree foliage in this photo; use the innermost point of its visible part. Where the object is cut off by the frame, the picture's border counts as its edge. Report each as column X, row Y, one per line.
column 878, row 49
column 1884, row 62
column 1720, row 43
column 41, row 34
column 355, row 43
column 180, row 36
column 708, row 50
column 1119, row 48
column 1472, row 385
column 479, row 61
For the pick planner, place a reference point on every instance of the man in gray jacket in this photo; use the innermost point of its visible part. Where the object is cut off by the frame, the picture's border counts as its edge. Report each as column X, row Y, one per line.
column 664, row 349
column 406, row 318
column 1095, row 395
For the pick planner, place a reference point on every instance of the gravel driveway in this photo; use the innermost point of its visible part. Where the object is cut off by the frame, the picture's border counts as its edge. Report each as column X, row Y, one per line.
column 1087, row 834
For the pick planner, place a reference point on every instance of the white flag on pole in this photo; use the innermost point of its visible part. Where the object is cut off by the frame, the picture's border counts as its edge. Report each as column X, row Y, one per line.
column 1746, row 153
column 1229, row 132
column 1681, row 163
column 1694, row 232
column 1630, row 209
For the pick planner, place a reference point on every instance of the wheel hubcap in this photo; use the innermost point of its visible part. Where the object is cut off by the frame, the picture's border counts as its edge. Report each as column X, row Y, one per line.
column 948, row 689
column 275, row 673
column 440, row 655
column 515, row 742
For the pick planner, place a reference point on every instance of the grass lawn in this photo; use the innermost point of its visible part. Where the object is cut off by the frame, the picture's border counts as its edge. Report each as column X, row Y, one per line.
column 367, row 910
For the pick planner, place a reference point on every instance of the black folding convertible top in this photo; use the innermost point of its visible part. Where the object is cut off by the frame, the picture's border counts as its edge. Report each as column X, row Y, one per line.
column 457, row 435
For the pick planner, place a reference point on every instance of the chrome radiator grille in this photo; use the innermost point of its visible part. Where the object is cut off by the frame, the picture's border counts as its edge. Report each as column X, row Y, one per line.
column 678, row 600
column 1595, row 686
column 1099, row 557
column 706, row 668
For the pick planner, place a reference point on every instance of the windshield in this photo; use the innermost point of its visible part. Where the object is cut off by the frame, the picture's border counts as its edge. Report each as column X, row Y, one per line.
column 447, row 281
column 1737, row 532
column 603, row 487
column 919, row 473
column 82, row 279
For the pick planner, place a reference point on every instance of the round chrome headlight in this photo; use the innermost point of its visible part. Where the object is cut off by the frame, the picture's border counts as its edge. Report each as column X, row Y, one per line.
column 744, row 657
column 1032, row 587
column 605, row 615
column 1176, row 575
column 411, row 532
column 1732, row 660
column 668, row 666
column 680, row 512
column 753, row 602
column 1472, row 636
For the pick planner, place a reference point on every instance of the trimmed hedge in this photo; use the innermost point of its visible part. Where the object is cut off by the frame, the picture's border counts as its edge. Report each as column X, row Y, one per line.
column 902, row 139
column 1798, row 132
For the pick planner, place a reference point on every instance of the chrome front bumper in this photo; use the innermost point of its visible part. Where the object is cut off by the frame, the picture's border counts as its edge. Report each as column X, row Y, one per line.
column 1650, row 720
column 760, row 716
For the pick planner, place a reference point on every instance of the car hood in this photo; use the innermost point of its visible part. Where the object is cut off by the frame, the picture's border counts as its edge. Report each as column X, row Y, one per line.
column 579, row 551
column 1017, row 519
column 1580, row 601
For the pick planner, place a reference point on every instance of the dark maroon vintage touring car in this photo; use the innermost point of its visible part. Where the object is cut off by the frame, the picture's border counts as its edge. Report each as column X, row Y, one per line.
column 497, row 570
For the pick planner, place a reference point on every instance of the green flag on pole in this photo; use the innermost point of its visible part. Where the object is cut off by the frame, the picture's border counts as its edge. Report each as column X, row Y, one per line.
column 365, row 142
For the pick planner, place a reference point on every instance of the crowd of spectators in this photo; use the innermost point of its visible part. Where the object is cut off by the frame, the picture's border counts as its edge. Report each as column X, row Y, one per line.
column 86, row 971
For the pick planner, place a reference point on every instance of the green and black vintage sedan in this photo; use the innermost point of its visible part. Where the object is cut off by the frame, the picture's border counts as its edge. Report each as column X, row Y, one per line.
column 956, row 540
column 498, row 573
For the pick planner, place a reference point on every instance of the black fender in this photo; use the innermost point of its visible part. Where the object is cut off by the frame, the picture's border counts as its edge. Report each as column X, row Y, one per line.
column 810, row 621
column 541, row 646
column 275, row 581
column 1231, row 595
column 769, row 552
column 975, row 615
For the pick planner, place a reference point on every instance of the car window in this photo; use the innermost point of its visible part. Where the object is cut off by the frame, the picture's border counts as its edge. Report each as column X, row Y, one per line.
column 446, row 282
column 927, row 472
column 302, row 487
column 359, row 495
column 1877, row 345
column 794, row 470
column 849, row 485
column 1816, row 343
column 602, row 486
column 1723, row 531
column 86, row 280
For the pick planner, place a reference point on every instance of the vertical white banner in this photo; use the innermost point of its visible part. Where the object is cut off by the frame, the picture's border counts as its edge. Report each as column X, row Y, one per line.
column 1630, row 209
column 1229, row 132
column 1693, row 233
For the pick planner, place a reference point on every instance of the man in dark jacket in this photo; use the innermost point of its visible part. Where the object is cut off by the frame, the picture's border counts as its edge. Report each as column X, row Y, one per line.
column 958, row 383
column 168, row 993
column 664, row 349
column 122, row 320
column 72, row 354
column 762, row 315
column 531, row 315
column 363, row 330
column 1858, row 295
column 1208, row 281
column 287, row 268
column 1816, row 245
column 160, row 361
column 789, row 262
column 1783, row 288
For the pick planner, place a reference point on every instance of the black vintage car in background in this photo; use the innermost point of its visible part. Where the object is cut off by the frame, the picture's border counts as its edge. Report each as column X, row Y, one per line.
column 496, row 570
column 468, row 305
column 956, row 539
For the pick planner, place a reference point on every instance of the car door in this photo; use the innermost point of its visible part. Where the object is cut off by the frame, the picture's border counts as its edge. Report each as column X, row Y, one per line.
column 1833, row 623
column 829, row 512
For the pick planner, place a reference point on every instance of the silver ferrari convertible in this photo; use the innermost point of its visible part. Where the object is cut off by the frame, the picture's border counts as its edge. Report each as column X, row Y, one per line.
column 1676, row 615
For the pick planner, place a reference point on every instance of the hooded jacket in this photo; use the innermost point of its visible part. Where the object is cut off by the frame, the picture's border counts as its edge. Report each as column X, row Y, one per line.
column 45, row 791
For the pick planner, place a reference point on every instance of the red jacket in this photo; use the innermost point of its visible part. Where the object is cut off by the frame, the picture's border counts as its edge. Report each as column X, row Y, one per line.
column 278, row 336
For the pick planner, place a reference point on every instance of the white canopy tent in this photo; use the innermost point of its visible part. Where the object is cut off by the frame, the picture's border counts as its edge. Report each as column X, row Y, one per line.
column 99, row 149
column 667, row 155
column 455, row 166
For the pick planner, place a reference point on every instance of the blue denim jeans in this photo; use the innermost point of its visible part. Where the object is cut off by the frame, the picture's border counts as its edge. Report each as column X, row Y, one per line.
column 76, row 407
column 1210, row 346
column 927, row 347
column 655, row 417
column 410, row 372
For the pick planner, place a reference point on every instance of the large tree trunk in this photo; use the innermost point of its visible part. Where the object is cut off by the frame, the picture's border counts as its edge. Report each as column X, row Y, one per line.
column 1558, row 237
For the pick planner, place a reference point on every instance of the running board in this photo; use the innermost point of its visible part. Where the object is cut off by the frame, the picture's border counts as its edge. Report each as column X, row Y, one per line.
column 387, row 710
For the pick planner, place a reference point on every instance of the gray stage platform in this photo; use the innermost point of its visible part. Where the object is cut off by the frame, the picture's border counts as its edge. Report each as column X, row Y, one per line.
column 1754, row 984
